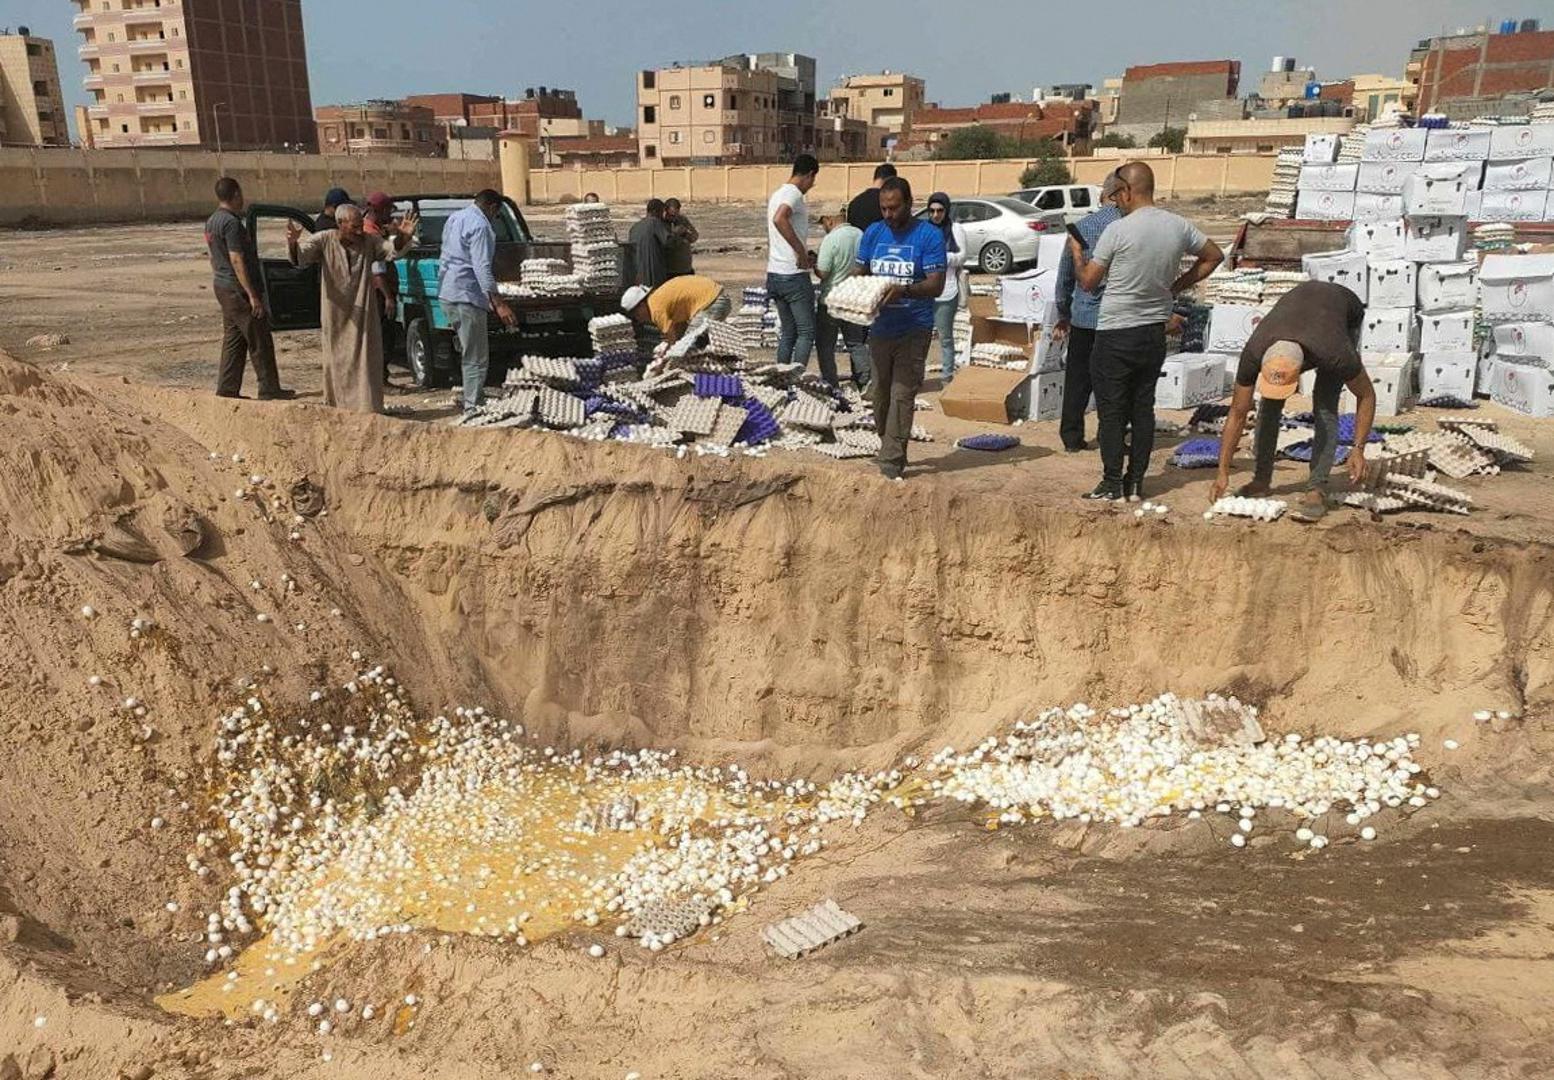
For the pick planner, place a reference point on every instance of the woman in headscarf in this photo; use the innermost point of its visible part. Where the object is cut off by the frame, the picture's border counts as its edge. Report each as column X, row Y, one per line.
column 949, row 300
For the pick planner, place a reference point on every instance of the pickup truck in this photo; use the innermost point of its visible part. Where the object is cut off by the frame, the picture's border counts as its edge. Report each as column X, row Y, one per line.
column 546, row 326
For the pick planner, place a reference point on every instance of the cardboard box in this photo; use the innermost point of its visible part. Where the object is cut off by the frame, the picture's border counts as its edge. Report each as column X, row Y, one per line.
column 1522, row 141
column 990, row 395
column 1324, row 205
column 1321, row 149
column 1524, row 388
column 1437, row 190
column 1328, row 177
column 1517, row 288
column 1447, row 331
column 1351, row 269
column 1393, row 376
column 1230, row 325
column 1435, row 239
column 1189, row 380
column 1395, row 144
column 1524, row 341
column 1513, row 206
column 1384, row 177
column 1378, row 239
column 1371, row 206
column 1458, row 144
column 986, row 329
column 1447, row 286
column 1528, row 174
column 984, row 306
column 1046, row 396
column 1447, row 373
column 1024, row 297
column 1388, row 330
column 1392, row 284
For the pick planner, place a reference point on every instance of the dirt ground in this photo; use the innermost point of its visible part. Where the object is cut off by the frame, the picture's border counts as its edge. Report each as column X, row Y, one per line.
column 796, row 615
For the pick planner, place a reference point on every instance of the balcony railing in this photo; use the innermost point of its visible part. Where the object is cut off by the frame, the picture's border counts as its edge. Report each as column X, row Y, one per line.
column 88, row 50
column 153, row 75
column 92, row 81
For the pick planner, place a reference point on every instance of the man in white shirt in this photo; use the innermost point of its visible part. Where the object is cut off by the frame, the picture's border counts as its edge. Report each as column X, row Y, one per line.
column 788, row 264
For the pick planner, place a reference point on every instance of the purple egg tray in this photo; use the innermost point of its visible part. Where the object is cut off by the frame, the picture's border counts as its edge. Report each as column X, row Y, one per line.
column 718, row 386
column 760, row 425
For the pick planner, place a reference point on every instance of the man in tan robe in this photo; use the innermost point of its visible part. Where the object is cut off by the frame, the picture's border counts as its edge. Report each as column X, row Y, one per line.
column 351, row 330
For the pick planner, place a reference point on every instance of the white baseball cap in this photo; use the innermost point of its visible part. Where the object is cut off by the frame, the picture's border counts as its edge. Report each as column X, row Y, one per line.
column 633, row 296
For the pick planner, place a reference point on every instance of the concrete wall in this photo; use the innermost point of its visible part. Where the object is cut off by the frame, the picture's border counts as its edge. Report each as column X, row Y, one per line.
column 1174, row 176
column 77, row 187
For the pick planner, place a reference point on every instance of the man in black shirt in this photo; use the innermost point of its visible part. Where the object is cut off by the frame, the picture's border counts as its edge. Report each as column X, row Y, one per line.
column 1315, row 327
column 864, row 210
column 649, row 240
column 234, row 264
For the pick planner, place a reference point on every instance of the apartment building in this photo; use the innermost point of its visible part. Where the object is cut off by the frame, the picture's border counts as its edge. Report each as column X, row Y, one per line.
column 223, row 74
column 32, row 106
column 886, row 100
column 745, row 109
column 1157, row 96
column 381, row 127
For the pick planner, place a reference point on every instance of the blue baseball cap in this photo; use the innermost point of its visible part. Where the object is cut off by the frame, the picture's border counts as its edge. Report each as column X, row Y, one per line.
column 337, row 196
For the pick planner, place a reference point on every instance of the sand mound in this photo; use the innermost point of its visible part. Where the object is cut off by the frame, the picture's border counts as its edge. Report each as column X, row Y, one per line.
column 798, row 619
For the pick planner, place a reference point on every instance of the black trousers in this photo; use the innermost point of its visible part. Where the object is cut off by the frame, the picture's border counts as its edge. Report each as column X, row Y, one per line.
column 244, row 340
column 1126, row 368
column 1076, row 387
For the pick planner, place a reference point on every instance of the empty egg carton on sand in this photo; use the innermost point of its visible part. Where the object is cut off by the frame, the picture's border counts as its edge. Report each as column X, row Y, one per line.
column 822, row 925
column 860, row 438
column 670, row 919
column 558, row 409
column 1217, row 721
column 1395, row 462
column 694, row 415
column 1505, row 449
column 841, row 451
column 806, row 412
column 1428, row 495
column 1376, row 504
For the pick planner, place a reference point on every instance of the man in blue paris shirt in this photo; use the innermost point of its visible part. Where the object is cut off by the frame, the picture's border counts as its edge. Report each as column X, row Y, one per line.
column 911, row 253
column 1078, row 310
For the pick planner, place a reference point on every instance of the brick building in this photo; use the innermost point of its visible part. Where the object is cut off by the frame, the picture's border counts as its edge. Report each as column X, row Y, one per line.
column 741, row 110
column 542, row 114
column 1157, row 96
column 1467, row 74
column 591, row 151
column 1068, row 123
column 32, row 105
column 227, row 74
column 381, row 127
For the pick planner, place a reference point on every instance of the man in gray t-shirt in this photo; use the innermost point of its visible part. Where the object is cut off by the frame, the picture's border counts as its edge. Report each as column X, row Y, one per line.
column 1139, row 258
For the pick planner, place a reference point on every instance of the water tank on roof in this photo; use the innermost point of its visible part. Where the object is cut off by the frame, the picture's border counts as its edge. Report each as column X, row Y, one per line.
column 23, row 31
column 1508, row 26
column 1530, row 26
column 1278, row 65
column 1313, row 90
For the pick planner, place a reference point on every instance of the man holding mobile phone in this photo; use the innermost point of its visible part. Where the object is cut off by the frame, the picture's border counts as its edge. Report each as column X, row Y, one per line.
column 1079, row 309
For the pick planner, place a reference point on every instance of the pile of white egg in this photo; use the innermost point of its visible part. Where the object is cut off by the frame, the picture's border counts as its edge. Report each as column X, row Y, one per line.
column 1242, row 506
column 857, row 299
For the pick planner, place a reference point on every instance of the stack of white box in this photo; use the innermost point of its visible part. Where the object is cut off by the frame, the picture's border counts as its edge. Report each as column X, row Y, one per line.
column 1286, row 179
column 1517, row 178
column 1517, row 295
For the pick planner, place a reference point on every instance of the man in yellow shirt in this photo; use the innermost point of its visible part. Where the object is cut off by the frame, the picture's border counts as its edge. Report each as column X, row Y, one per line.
column 676, row 303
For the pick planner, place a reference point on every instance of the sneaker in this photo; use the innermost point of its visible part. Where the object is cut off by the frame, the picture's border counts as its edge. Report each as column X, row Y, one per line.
column 279, row 395
column 1106, row 491
column 1133, row 490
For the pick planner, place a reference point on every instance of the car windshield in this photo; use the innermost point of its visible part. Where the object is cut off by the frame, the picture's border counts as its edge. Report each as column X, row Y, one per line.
column 436, row 212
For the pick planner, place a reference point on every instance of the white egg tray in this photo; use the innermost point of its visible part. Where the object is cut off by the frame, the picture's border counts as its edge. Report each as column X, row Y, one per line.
column 1428, row 494
column 730, row 419
column 675, row 919
column 559, row 409
column 859, row 438
column 822, row 925
column 1505, row 448
column 841, row 451
column 1376, row 504
column 806, row 412
column 694, row 415
column 857, row 299
column 1256, row 509
column 553, row 369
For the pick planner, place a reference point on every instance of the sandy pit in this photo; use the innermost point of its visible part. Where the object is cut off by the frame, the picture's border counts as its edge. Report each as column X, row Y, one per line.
column 804, row 640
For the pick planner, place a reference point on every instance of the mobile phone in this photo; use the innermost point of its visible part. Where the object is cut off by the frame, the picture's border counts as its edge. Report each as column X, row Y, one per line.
column 1073, row 230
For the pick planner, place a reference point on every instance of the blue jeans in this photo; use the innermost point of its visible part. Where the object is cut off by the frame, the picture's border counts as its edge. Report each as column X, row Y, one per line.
column 470, row 324
column 855, row 337
column 794, row 295
column 944, row 326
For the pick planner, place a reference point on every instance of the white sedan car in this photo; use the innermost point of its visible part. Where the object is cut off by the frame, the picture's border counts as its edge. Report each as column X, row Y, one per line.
column 1001, row 233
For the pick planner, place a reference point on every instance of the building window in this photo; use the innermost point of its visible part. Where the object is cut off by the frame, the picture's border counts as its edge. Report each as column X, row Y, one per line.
column 890, row 91
column 649, row 80
column 124, row 128
column 649, row 114
column 380, row 133
column 674, row 137
column 709, row 101
column 733, row 102
column 650, row 152
column 674, row 102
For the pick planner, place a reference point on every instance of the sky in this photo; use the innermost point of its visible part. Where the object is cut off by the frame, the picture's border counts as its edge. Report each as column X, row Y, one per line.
column 965, row 51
